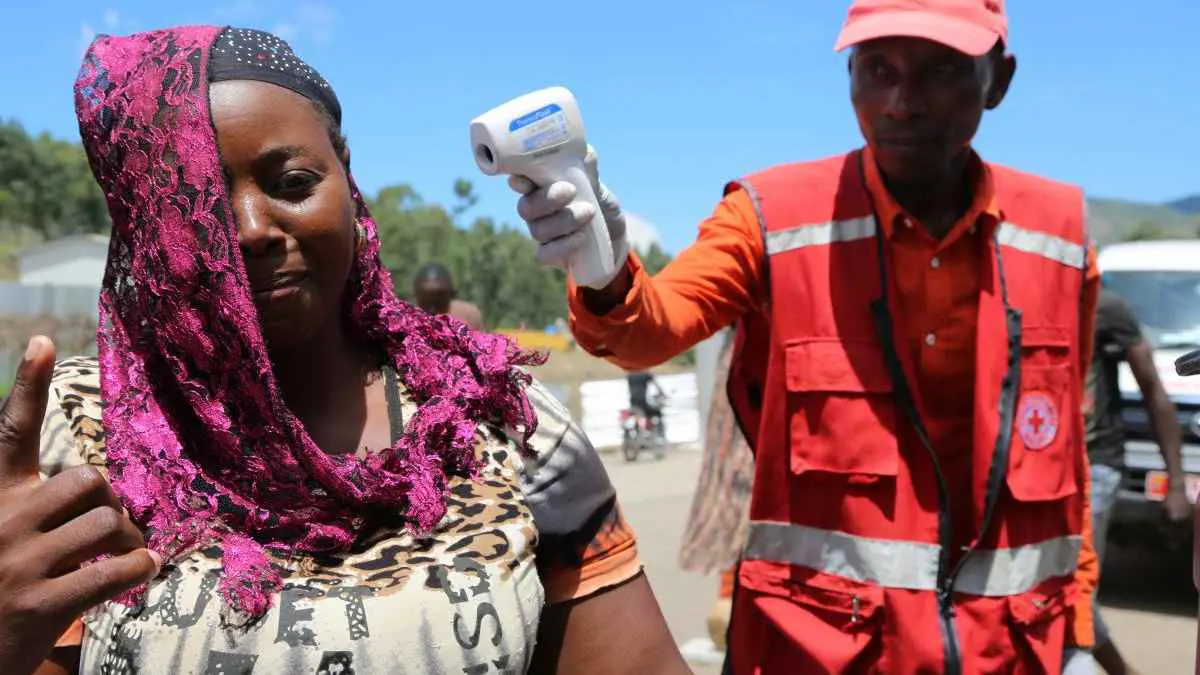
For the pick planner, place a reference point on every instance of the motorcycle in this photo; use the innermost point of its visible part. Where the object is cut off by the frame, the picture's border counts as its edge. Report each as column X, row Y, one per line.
column 641, row 432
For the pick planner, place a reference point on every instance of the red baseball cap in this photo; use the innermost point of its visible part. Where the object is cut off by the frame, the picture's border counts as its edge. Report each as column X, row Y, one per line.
column 969, row 26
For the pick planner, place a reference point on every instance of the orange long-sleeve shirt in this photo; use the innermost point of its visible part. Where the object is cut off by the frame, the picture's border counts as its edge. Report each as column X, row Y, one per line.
column 721, row 277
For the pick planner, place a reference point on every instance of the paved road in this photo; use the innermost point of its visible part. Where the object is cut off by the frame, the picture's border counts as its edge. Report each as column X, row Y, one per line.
column 1149, row 602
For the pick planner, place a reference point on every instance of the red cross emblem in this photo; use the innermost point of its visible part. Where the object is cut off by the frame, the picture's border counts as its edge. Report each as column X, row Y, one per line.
column 1037, row 420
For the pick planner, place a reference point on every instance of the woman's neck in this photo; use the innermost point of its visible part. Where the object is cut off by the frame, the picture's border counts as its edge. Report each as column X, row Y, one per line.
column 323, row 383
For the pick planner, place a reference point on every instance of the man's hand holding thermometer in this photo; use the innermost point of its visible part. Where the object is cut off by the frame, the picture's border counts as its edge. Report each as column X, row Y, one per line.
column 538, row 141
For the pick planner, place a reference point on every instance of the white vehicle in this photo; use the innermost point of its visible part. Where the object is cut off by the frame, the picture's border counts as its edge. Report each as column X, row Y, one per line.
column 1160, row 281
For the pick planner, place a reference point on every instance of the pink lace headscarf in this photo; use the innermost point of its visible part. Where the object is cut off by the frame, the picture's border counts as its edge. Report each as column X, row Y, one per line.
column 201, row 446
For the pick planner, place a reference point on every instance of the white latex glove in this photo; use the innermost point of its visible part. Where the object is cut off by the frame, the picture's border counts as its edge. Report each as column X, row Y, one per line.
column 557, row 218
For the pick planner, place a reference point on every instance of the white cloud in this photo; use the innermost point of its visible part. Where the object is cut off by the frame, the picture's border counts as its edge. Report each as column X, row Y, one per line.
column 312, row 21
column 285, row 31
column 109, row 23
column 86, row 35
column 316, row 20
column 640, row 232
column 238, row 11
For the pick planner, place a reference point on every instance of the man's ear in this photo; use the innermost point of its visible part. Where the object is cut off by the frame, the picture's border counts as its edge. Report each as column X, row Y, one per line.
column 1002, row 77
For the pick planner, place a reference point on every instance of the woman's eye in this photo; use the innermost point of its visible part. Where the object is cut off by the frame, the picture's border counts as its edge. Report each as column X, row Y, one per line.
column 294, row 182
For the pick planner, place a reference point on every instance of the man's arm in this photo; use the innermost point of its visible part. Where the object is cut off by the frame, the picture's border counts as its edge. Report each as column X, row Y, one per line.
column 1122, row 328
column 638, row 322
column 1164, row 422
column 657, row 387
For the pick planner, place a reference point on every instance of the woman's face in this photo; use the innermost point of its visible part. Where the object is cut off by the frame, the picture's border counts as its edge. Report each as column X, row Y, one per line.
column 291, row 198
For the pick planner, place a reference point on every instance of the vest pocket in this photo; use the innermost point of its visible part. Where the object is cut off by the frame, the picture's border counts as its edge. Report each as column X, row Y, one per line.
column 1044, row 456
column 821, row 625
column 1038, row 630
column 843, row 418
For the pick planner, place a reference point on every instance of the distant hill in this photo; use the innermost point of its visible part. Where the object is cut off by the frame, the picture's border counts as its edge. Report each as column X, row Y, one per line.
column 1113, row 220
column 1187, row 204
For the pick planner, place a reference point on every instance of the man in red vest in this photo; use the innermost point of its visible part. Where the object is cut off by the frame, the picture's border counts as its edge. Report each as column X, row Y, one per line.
column 914, row 325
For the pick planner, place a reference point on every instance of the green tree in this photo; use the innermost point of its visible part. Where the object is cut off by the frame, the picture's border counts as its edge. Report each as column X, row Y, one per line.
column 1146, row 231
column 413, row 233
column 494, row 266
column 46, row 186
column 464, row 192
column 654, row 258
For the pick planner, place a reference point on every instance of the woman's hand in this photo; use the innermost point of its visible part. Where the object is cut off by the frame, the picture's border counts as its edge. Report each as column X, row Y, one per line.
column 49, row 528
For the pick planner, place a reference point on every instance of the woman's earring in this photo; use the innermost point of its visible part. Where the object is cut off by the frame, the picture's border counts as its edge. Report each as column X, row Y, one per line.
column 360, row 236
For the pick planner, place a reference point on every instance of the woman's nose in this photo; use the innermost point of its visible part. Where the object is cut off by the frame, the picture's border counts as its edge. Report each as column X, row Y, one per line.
column 256, row 230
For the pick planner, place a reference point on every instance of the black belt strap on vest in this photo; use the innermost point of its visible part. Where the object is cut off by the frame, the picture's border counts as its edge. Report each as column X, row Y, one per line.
column 885, row 328
column 391, row 385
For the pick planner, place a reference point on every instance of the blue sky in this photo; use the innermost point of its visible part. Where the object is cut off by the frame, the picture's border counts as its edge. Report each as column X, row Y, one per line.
column 678, row 95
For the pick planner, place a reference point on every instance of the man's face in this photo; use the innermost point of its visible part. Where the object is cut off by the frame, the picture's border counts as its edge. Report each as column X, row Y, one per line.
column 434, row 295
column 919, row 103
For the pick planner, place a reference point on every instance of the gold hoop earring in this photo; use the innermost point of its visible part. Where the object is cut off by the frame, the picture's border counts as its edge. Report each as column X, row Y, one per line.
column 360, row 236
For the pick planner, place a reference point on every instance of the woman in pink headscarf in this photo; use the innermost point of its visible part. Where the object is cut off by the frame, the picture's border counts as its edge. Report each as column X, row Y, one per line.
column 312, row 476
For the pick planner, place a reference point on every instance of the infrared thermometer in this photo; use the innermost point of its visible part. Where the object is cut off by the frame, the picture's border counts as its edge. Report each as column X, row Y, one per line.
column 540, row 136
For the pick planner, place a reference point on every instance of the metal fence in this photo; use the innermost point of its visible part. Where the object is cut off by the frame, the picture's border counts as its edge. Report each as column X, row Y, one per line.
column 65, row 314
column 24, row 300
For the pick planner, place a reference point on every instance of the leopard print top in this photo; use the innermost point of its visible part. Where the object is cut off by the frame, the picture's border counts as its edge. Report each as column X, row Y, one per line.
column 527, row 532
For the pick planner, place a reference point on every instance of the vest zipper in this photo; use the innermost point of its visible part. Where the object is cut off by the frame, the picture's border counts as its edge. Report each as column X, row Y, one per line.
column 945, row 582
column 996, row 478
column 950, row 647
column 885, row 329
column 951, row 650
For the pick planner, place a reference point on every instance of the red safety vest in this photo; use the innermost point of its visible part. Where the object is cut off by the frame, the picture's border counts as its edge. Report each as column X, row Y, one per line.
column 848, row 567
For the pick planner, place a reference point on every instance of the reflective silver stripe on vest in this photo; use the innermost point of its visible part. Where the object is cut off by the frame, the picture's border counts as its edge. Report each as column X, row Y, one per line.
column 1008, row 571
column 894, row 564
column 910, row 565
column 820, row 234
column 1039, row 243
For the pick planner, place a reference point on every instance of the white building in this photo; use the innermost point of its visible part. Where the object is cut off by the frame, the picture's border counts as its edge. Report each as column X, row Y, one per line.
column 60, row 278
column 77, row 260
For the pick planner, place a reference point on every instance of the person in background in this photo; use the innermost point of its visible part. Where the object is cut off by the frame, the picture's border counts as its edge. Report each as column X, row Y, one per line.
column 1119, row 338
column 275, row 465
column 640, row 383
column 433, row 288
column 914, row 327
column 719, row 519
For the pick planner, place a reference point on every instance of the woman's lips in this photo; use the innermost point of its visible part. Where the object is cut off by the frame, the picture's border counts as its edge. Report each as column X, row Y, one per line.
column 278, row 285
